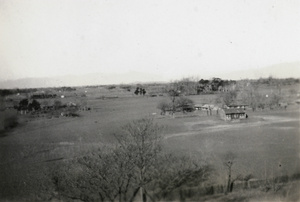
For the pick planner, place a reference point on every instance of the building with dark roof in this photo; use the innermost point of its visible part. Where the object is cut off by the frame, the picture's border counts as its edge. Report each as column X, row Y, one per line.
column 232, row 114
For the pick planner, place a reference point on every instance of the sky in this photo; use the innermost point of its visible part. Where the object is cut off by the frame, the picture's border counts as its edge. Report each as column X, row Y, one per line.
column 169, row 38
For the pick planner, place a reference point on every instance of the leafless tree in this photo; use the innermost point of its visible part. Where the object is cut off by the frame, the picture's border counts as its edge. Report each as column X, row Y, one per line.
column 136, row 164
column 173, row 91
column 141, row 138
column 188, row 85
column 163, row 105
column 111, row 171
column 173, row 172
column 249, row 94
column 183, row 102
column 228, row 97
column 229, row 160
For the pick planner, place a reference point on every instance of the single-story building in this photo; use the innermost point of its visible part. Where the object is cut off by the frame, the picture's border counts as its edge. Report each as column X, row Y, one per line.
column 198, row 106
column 188, row 108
column 231, row 114
column 237, row 106
column 204, row 107
column 47, row 107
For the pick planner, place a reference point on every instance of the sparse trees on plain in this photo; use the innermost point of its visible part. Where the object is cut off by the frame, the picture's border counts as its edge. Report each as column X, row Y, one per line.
column 184, row 102
column 173, row 91
column 275, row 99
column 23, row 104
column 188, row 86
column 163, row 105
column 178, row 101
column 140, row 91
column 34, row 105
column 229, row 97
column 250, row 95
column 137, row 91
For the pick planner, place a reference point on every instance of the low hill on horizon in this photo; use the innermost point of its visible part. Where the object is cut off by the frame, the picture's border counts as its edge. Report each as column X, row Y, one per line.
column 284, row 70
column 82, row 80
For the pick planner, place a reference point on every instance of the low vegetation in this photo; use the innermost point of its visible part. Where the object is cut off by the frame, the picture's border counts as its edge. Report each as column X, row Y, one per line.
column 112, row 152
column 8, row 120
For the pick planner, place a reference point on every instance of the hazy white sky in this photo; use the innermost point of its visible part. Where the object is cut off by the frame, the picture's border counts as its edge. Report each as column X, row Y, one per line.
column 172, row 38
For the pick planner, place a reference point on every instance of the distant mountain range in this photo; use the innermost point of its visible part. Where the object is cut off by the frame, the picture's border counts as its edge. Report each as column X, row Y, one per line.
column 284, row 70
column 82, row 80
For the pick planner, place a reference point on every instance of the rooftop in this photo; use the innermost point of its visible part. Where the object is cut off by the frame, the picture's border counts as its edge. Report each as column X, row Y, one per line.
column 237, row 105
column 234, row 111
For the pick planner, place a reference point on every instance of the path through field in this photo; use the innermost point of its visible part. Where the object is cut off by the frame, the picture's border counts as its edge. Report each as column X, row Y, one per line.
column 212, row 126
column 264, row 142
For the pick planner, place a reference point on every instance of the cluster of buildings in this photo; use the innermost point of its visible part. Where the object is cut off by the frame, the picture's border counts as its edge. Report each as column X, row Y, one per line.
column 230, row 112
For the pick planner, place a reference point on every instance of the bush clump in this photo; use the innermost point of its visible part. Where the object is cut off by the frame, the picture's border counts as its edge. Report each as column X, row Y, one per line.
column 8, row 121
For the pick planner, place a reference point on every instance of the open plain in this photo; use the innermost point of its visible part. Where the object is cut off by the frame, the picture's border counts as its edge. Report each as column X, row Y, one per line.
column 266, row 144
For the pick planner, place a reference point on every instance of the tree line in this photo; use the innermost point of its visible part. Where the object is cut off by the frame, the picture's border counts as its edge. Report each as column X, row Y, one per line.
column 248, row 92
column 177, row 100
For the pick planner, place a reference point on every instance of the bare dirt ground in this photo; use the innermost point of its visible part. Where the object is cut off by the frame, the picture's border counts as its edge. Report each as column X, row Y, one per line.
column 211, row 126
column 267, row 143
column 261, row 142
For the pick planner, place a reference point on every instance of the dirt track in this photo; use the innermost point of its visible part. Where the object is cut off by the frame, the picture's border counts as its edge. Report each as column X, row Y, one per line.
column 214, row 126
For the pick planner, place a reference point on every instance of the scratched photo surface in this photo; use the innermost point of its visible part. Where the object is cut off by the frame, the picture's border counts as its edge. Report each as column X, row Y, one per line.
column 149, row 100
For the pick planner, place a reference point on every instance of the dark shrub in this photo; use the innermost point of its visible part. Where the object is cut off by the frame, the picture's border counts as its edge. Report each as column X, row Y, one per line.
column 8, row 121
column 111, row 87
column 282, row 179
column 295, row 176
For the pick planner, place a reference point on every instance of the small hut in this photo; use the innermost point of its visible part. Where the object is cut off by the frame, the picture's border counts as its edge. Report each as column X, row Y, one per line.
column 232, row 114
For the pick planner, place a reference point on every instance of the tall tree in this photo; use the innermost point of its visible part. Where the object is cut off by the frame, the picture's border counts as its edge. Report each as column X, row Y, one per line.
column 136, row 164
column 248, row 91
column 23, row 104
column 229, row 97
column 184, row 102
column 163, row 105
column 141, row 138
column 34, row 105
column 110, row 172
column 174, row 92
column 229, row 159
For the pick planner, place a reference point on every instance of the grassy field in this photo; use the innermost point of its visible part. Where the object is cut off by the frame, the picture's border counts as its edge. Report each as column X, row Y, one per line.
column 266, row 144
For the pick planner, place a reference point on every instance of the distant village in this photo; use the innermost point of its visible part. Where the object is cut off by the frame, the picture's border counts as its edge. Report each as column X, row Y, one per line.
column 233, row 100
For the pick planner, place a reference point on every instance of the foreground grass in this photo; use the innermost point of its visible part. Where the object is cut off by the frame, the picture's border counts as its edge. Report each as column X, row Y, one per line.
column 262, row 143
column 289, row 193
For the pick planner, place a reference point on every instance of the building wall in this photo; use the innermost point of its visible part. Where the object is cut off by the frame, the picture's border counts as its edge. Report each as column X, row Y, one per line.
column 228, row 117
